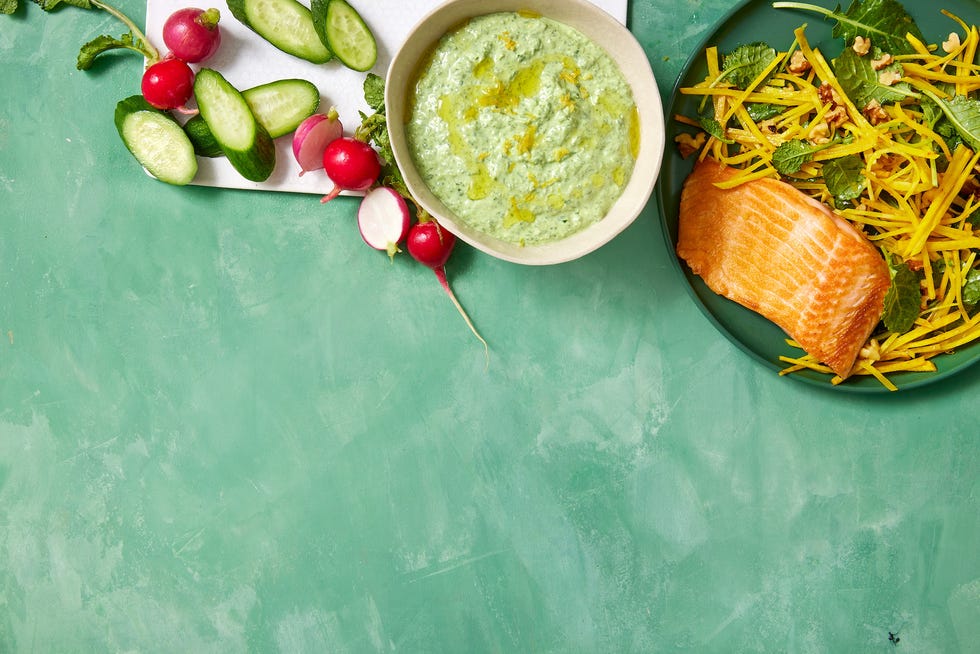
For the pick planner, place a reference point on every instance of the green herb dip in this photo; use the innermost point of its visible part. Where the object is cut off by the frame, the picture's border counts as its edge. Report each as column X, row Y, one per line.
column 523, row 127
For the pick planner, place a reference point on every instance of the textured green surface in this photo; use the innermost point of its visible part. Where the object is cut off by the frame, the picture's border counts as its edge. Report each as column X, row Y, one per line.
column 226, row 425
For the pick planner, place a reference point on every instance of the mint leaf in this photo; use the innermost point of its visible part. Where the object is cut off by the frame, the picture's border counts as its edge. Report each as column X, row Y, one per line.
column 790, row 156
column 845, row 178
column 746, row 62
column 759, row 111
column 885, row 22
column 902, row 299
column 860, row 82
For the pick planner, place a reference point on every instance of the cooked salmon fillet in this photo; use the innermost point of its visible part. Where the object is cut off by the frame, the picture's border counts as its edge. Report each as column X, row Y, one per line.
column 773, row 249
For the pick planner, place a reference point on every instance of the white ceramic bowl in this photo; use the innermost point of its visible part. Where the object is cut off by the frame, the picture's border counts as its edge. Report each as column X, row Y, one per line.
column 601, row 28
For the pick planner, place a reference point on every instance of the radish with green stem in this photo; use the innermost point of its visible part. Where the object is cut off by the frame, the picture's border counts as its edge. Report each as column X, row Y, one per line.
column 192, row 34
column 431, row 245
column 311, row 138
column 352, row 165
column 383, row 219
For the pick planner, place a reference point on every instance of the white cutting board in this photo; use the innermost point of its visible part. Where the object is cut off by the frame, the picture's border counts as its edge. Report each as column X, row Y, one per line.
column 246, row 60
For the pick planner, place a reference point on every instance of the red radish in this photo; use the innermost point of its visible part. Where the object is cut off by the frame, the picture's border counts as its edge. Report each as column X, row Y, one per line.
column 352, row 165
column 311, row 138
column 431, row 245
column 192, row 34
column 383, row 219
column 168, row 84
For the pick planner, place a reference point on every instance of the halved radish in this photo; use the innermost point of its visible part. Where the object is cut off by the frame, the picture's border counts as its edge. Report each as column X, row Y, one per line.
column 312, row 137
column 383, row 219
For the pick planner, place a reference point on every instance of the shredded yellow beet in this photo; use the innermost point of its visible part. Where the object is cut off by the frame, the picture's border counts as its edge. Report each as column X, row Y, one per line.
column 920, row 193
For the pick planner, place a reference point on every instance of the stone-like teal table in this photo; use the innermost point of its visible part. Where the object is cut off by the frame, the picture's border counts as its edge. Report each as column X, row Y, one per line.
column 227, row 426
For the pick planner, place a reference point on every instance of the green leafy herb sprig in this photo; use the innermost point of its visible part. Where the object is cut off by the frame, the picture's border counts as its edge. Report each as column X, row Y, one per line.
column 374, row 130
column 134, row 39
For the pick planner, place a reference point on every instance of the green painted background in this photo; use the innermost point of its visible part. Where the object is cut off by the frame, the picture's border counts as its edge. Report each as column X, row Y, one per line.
column 226, row 426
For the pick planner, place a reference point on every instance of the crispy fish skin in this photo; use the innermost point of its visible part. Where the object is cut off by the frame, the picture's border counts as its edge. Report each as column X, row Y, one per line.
column 778, row 252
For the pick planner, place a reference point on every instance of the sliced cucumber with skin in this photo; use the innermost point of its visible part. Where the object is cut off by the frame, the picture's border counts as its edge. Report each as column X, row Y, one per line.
column 345, row 33
column 286, row 24
column 279, row 106
column 156, row 140
column 244, row 141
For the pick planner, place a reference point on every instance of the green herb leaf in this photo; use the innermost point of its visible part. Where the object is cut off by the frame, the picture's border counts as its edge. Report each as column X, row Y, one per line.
column 746, row 62
column 374, row 92
column 902, row 299
column 374, row 130
column 49, row 5
column 885, row 22
column 790, row 156
column 845, row 178
column 971, row 289
column 714, row 128
column 759, row 111
column 860, row 82
column 963, row 114
column 100, row 44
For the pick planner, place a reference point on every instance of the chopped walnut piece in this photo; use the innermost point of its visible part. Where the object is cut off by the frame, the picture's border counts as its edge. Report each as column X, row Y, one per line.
column 861, row 45
column 884, row 60
column 798, row 63
column 836, row 116
column 952, row 43
column 828, row 94
column 819, row 133
column 688, row 145
column 874, row 113
column 889, row 77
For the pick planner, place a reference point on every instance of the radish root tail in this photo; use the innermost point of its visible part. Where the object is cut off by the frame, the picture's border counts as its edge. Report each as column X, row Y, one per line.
column 444, row 282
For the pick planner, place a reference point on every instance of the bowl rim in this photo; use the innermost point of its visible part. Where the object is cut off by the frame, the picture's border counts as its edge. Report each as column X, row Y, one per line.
column 605, row 31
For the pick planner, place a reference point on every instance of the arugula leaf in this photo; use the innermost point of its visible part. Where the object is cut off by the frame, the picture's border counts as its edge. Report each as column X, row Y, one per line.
column 746, row 62
column 860, row 82
column 885, row 22
column 845, row 178
column 790, row 156
column 100, row 44
column 902, row 299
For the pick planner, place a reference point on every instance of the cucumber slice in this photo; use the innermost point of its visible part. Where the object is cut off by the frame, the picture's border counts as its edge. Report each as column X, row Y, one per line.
column 245, row 142
column 279, row 106
column 345, row 33
column 286, row 24
column 156, row 140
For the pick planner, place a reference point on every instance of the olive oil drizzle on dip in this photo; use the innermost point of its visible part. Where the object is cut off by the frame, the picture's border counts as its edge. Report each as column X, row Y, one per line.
column 523, row 127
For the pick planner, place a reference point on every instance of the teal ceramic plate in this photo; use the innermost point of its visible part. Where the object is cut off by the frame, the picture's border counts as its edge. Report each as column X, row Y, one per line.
column 756, row 20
